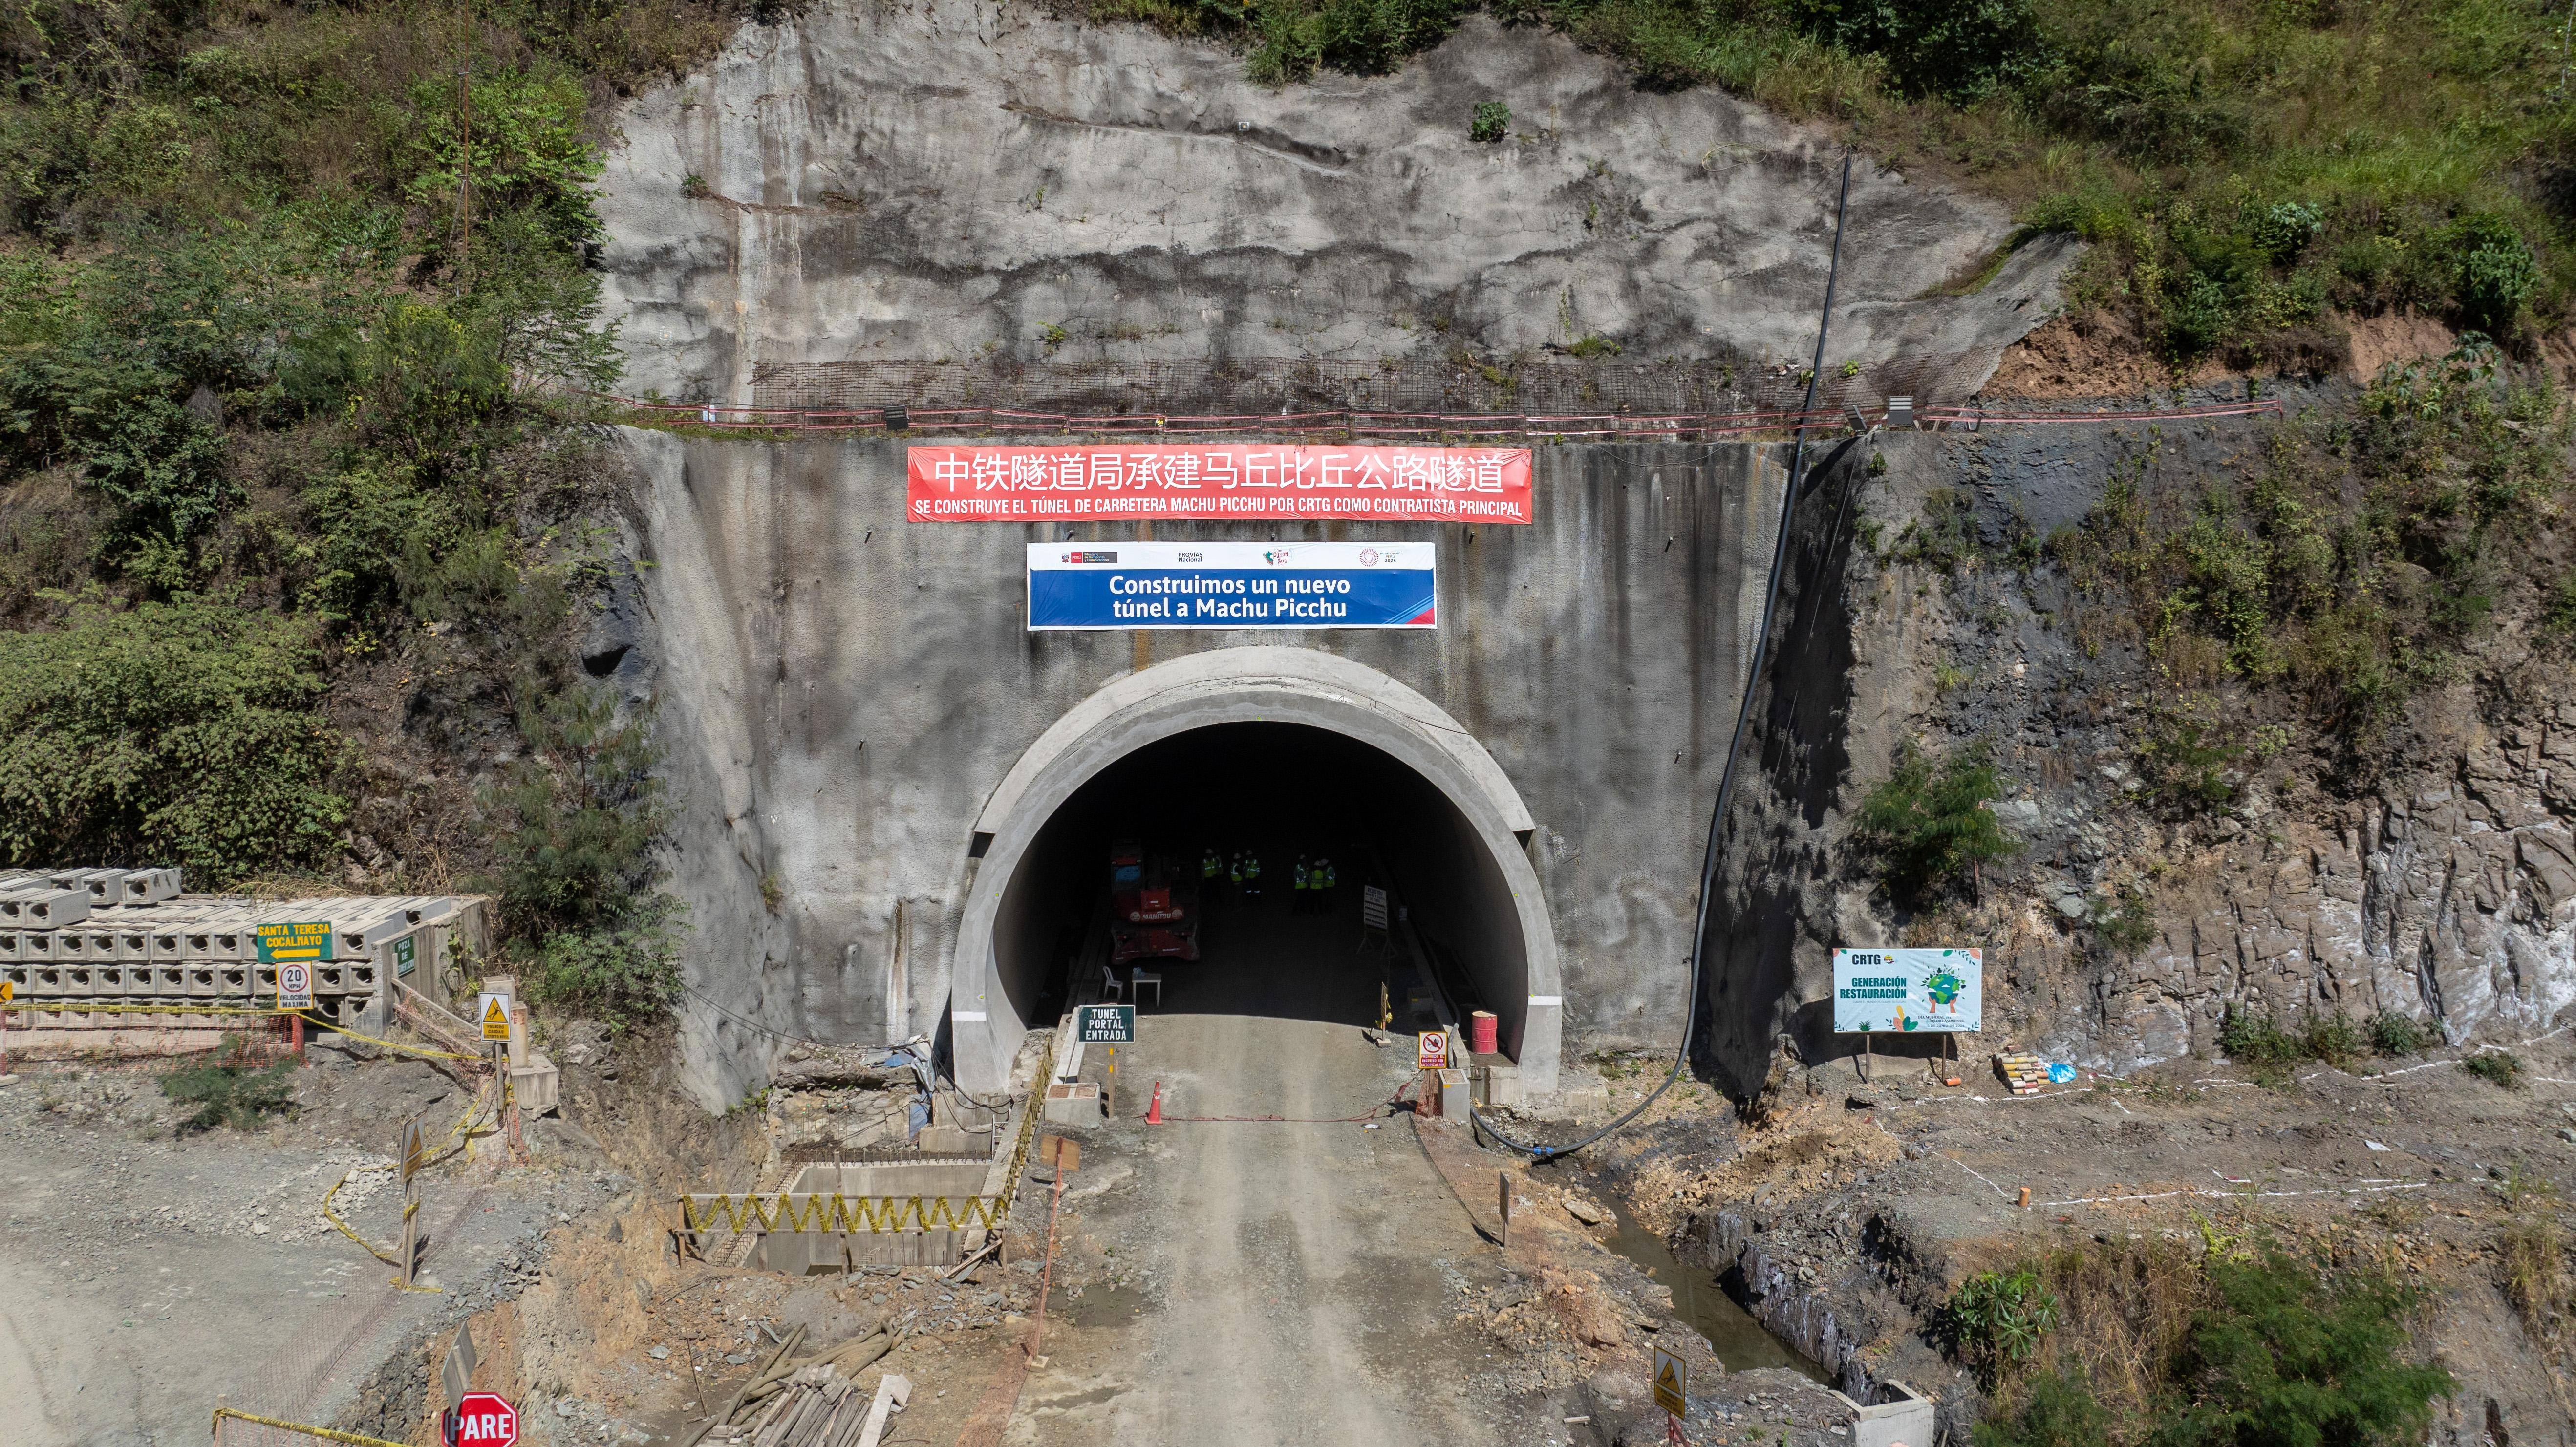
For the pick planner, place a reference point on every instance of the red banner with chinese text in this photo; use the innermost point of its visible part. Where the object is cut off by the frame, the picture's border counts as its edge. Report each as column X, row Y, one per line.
column 1219, row 481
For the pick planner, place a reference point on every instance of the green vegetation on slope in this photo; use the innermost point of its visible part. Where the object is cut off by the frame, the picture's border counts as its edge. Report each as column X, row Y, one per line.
column 2242, row 166
column 291, row 302
column 2239, row 1345
column 2364, row 559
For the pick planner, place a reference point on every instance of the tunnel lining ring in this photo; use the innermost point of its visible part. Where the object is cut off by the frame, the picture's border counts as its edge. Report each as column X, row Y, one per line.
column 1244, row 685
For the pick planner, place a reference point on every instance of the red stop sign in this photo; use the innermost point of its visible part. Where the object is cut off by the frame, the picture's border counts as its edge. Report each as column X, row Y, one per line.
column 483, row 1419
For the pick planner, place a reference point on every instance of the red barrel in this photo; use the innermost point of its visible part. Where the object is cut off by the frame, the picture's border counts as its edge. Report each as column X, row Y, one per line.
column 1480, row 1032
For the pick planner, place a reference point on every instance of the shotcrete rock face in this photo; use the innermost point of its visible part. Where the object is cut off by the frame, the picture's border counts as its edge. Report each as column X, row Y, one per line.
column 952, row 181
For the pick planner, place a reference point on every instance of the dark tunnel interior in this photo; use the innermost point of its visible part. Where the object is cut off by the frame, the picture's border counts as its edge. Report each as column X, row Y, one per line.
column 1278, row 792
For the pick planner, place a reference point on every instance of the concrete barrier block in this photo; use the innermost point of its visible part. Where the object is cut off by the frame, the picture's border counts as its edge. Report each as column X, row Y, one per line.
column 1070, row 1103
column 44, row 908
column 47, row 983
column 205, row 982
column 36, row 944
column 1910, row 1420
column 170, row 979
column 133, row 942
column 9, row 945
column 76, row 980
column 537, row 1086
column 151, row 886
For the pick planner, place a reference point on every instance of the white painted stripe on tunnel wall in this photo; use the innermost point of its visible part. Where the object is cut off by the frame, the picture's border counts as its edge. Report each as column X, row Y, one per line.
column 976, row 1015
column 1547, row 999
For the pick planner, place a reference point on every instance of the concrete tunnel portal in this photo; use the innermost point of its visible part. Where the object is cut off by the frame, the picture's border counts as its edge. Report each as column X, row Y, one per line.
column 1277, row 751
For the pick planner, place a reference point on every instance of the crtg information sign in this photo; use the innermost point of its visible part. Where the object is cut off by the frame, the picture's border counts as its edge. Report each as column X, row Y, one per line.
column 1908, row 990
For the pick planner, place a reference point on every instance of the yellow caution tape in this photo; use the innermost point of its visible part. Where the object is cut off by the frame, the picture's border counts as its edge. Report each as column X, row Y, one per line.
column 419, row 1050
column 327, row 1434
column 805, row 1211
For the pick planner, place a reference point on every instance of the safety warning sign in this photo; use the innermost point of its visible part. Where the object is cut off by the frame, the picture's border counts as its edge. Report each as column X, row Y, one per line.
column 1672, row 1383
column 496, row 1017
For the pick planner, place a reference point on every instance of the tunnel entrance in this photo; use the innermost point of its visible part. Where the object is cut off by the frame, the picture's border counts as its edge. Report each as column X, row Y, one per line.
column 1259, row 798
column 1269, row 752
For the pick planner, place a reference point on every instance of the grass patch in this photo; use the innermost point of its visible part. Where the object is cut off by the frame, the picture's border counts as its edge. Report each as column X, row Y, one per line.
column 2237, row 1344
column 228, row 1092
column 2498, row 1068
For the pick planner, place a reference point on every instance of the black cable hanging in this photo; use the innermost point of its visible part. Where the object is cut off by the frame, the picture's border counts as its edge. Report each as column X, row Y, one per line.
column 1743, row 723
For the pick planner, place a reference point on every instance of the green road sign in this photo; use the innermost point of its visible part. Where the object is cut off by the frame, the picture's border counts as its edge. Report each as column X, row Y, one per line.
column 1108, row 1024
column 300, row 940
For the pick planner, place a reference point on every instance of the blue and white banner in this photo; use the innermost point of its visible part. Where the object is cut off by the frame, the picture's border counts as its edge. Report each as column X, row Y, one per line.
column 1232, row 585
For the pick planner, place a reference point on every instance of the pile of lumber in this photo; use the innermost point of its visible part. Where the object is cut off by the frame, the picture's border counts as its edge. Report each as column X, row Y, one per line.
column 817, row 1406
column 814, row 1401
column 2024, row 1073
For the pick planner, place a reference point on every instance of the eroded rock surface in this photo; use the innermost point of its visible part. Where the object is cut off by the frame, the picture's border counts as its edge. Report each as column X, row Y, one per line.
column 963, row 181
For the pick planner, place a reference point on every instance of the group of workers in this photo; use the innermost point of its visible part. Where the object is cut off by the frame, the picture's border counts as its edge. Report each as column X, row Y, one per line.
column 1310, row 884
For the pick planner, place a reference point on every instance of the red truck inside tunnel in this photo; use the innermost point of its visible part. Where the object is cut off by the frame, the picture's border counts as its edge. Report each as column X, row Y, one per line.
column 1153, row 906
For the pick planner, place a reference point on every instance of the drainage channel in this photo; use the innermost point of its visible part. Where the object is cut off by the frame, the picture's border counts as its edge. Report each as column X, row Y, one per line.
column 1740, row 1342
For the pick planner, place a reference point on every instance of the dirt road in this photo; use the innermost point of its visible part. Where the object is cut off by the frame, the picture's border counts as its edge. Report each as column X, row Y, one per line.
column 143, row 1274
column 1268, row 1282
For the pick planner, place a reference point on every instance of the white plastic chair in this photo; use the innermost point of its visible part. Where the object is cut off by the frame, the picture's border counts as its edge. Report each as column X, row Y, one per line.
column 1138, row 979
column 1110, row 986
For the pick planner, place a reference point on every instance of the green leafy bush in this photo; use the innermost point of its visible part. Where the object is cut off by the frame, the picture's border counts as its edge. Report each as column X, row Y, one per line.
column 186, row 731
column 1928, row 825
column 1996, row 1319
column 2259, row 1041
column 2492, row 270
column 2057, row 1409
column 1493, row 120
column 2284, row 1354
column 1963, row 49
column 228, row 1092
column 2498, row 1068
column 2393, row 1034
column 582, row 814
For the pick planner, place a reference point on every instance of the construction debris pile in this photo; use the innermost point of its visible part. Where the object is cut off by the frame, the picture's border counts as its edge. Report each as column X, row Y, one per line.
column 123, row 937
column 815, row 1401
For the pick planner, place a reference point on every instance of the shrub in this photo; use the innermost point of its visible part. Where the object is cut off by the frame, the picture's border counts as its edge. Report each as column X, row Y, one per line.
column 622, row 975
column 1997, row 1318
column 2125, row 926
column 2285, row 1355
column 1963, row 49
column 2496, row 1068
column 2394, row 1034
column 2283, row 229
column 580, row 813
column 2187, row 769
column 2259, row 1043
column 1929, row 827
column 1492, row 121
column 2332, row 1038
column 227, row 1092
column 186, row 731
column 2058, row 1409
column 2492, row 271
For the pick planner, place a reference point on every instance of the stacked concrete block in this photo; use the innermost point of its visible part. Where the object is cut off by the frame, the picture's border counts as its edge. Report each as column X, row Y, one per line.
column 128, row 936
column 43, row 906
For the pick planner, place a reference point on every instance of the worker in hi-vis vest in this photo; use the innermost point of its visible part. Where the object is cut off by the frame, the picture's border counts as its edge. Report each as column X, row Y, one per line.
column 1211, row 873
column 1329, row 879
column 1251, row 876
column 1297, row 886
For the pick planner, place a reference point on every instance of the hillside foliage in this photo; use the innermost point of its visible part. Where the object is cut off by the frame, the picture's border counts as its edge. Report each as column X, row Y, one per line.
column 2242, row 167
column 294, row 304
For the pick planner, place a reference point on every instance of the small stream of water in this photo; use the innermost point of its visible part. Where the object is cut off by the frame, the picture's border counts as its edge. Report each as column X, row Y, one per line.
column 1740, row 1342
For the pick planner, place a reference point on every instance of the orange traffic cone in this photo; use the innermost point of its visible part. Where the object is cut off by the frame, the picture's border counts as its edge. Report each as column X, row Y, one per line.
column 1154, row 1112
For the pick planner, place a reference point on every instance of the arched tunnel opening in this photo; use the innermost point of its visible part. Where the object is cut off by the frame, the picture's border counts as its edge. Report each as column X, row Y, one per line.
column 1277, row 793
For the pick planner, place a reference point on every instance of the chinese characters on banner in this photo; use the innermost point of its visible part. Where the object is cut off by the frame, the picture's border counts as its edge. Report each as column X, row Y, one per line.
column 1224, row 480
